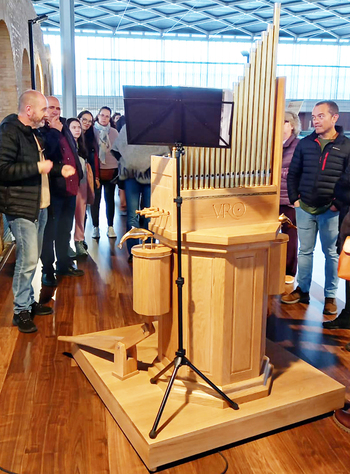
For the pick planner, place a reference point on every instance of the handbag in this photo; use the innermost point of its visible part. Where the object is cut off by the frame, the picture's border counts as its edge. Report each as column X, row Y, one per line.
column 106, row 174
column 90, row 198
column 344, row 261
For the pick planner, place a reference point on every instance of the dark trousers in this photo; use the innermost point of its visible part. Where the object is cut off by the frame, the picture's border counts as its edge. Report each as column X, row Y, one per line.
column 57, row 234
column 137, row 196
column 109, row 191
column 292, row 246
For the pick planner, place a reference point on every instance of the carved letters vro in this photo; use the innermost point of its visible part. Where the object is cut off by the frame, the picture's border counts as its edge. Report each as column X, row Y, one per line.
column 223, row 210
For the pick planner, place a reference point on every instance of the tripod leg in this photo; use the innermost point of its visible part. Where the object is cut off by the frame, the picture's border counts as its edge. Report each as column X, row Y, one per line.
column 177, row 362
column 231, row 403
column 156, row 377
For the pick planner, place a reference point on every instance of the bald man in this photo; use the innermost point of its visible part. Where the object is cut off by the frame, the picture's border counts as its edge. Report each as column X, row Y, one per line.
column 24, row 198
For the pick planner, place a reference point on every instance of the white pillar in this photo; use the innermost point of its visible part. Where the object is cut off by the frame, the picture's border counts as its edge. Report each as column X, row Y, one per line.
column 69, row 93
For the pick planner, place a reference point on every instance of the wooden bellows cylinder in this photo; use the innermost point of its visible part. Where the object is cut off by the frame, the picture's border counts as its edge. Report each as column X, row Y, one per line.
column 151, row 274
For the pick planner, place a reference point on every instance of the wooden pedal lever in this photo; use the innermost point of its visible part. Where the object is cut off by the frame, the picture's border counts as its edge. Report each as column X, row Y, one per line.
column 121, row 342
column 146, row 210
column 152, row 212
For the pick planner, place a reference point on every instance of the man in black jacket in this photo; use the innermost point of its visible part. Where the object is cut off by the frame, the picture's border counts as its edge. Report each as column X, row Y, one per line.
column 60, row 147
column 318, row 162
column 24, row 198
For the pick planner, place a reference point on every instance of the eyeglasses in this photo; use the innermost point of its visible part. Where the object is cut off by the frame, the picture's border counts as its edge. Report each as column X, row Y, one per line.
column 84, row 120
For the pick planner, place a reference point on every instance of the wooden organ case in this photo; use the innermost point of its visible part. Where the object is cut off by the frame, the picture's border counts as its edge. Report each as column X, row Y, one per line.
column 233, row 258
column 233, row 255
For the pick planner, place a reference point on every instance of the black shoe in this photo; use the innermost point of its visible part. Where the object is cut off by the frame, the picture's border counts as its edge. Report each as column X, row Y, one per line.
column 85, row 245
column 48, row 280
column 40, row 310
column 341, row 322
column 71, row 271
column 24, row 322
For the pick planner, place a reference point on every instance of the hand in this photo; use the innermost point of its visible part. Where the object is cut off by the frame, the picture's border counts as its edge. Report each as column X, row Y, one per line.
column 297, row 203
column 97, row 182
column 44, row 167
column 67, row 170
column 55, row 123
column 333, row 208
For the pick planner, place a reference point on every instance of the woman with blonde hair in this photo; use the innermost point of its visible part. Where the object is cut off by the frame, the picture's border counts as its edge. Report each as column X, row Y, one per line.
column 291, row 131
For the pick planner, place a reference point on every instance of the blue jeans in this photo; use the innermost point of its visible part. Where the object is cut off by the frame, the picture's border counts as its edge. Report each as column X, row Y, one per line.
column 137, row 197
column 29, row 240
column 308, row 226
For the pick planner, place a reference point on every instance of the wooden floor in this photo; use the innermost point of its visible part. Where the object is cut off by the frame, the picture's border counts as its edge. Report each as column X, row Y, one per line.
column 52, row 421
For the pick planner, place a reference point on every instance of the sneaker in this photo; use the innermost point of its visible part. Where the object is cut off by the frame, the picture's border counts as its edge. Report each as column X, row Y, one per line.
column 96, row 233
column 39, row 309
column 71, row 271
column 71, row 253
column 80, row 250
column 296, row 296
column 341, row 322
column 24, row 322
column 330, row 306
column 289, row 279
column 123, row 212
column 110, row 232
column 48, row 279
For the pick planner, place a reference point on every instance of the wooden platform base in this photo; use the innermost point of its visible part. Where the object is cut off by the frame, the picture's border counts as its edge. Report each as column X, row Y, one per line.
column 299, row 392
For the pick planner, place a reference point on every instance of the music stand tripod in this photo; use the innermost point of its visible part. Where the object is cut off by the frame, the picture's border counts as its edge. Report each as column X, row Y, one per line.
column 180, row 355
column 180, row 112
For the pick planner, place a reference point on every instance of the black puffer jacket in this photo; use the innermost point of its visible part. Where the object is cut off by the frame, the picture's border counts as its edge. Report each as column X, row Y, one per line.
column 20, row 181
column 313, row 174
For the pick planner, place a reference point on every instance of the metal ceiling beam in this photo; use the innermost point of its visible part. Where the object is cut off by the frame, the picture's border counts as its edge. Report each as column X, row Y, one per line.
column 232, row 20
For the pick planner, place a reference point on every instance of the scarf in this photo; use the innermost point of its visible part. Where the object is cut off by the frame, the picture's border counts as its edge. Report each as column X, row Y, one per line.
column 104, row 144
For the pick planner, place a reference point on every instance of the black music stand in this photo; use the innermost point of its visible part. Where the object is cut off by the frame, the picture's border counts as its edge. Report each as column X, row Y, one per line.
column 184, row 116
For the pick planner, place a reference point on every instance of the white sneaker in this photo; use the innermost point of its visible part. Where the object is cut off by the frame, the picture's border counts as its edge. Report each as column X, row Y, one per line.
column 111, row 233
column 96, row 233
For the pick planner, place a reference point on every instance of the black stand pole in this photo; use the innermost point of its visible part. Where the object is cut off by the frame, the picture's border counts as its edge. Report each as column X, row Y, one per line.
column 31, row 53
column 180, row 355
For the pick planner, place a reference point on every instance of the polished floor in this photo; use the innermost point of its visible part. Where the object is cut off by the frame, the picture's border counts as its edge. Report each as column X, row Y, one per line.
column 52, row 421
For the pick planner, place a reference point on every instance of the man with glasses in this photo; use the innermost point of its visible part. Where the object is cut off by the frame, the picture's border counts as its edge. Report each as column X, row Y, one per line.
column 318, row 162
column 60, row 148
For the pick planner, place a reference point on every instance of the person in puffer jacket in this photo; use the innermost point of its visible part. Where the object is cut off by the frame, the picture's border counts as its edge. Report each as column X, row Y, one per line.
column 25, row 197
column 318, row 162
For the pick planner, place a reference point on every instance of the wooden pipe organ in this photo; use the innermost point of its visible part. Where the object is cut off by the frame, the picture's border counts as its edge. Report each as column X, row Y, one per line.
column 233, row 254
column 233, row 258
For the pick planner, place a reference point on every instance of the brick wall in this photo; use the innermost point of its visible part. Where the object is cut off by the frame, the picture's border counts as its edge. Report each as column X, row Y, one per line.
column 14, row 60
